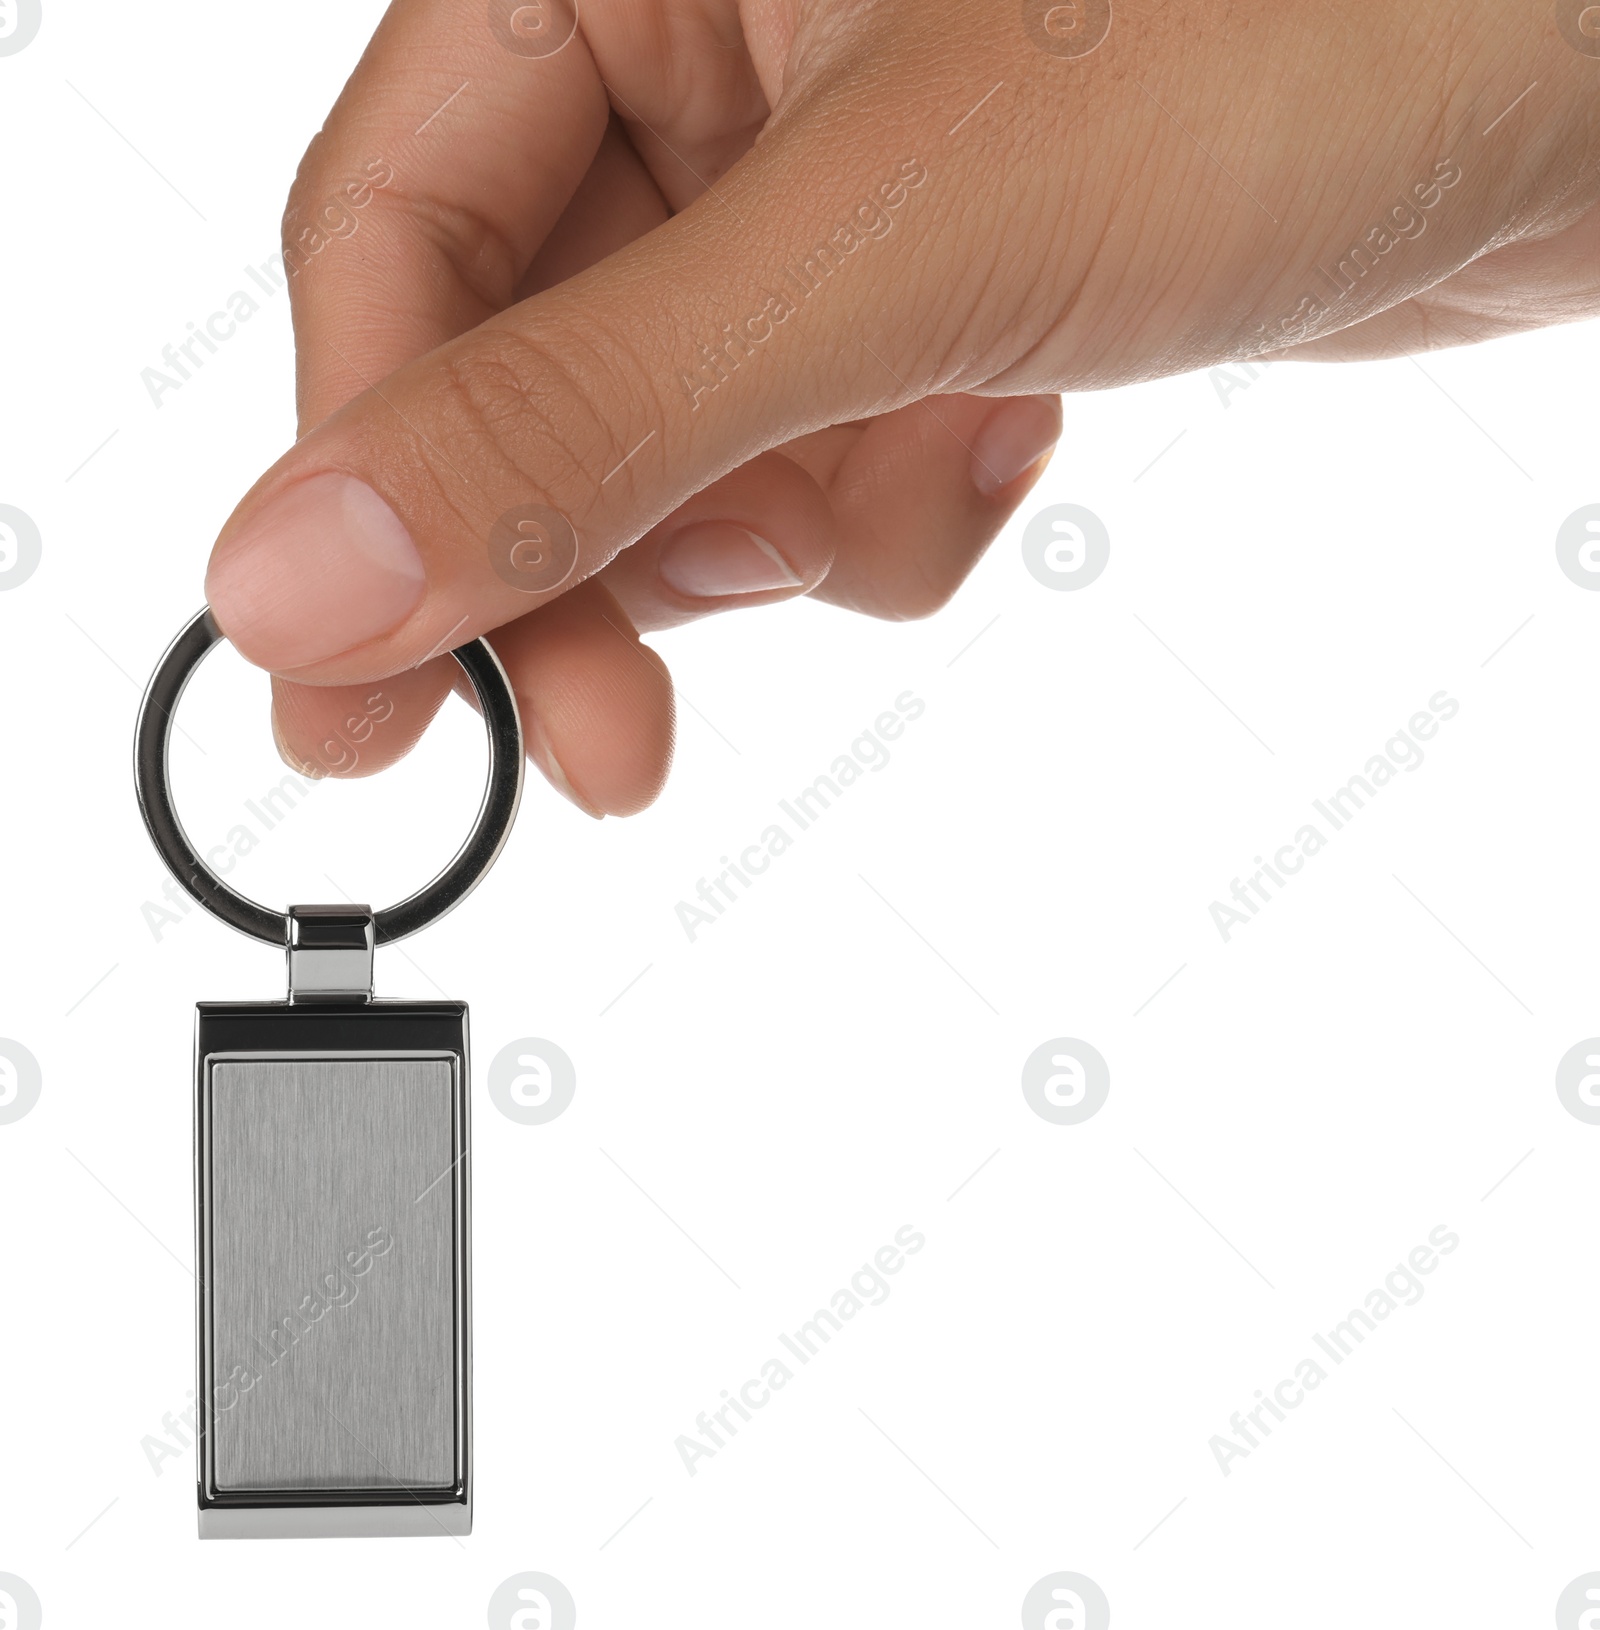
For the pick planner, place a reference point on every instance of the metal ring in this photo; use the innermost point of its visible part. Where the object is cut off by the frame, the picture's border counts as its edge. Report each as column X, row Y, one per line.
column 489, row 831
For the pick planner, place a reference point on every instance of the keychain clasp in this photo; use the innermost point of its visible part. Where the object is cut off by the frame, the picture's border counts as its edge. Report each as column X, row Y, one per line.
column 330, row 953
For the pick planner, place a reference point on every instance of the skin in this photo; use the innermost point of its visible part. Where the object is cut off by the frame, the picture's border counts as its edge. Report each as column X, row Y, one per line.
column 513, row 319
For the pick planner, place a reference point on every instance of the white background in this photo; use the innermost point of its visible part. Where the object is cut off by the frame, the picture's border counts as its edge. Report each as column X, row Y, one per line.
column 764, row 1108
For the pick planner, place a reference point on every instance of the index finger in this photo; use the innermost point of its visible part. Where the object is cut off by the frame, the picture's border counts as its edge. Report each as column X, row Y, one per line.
column 451, row 152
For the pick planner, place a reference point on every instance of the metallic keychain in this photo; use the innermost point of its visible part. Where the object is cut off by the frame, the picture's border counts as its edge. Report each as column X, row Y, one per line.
column 331, row 1189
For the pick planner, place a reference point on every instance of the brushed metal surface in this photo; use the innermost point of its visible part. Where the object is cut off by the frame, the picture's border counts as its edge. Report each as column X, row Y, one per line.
column 332, row 1281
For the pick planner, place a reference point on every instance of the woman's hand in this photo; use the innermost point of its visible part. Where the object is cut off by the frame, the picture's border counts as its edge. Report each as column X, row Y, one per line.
column 677, row 306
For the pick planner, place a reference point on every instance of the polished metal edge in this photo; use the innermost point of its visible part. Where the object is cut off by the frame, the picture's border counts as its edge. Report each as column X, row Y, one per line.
column 453, row 1520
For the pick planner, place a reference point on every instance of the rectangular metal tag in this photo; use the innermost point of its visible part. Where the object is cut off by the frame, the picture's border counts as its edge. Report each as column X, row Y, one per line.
column 332, row 1220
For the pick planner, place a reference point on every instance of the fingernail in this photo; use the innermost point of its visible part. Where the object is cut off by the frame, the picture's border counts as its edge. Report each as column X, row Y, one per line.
column 538, row 744
column 1013, row 439
column 715, row 558
column 323, row 567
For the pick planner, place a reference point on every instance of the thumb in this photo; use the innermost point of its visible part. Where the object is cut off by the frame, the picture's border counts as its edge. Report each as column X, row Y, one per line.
column 481, row 480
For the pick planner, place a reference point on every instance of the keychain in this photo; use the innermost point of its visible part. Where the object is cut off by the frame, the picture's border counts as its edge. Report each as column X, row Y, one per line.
column 331, row 1188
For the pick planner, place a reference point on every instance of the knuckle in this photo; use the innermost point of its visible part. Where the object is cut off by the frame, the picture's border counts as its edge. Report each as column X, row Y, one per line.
column 335, row 187
column 313, row 181
column 526, row 419
column 481, row 256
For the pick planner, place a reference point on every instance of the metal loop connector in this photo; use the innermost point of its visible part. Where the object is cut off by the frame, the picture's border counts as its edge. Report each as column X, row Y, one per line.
column 487, row 838
column 330, row 953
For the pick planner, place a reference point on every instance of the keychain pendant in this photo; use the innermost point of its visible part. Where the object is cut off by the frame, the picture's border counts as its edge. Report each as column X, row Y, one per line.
column 332, row 1191
column 332, row 1240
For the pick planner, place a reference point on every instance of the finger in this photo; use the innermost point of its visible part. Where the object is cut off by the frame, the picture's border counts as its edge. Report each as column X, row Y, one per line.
column 372, row 545
column 596, row 701
column 355, row 730
column 439, row 172
column 351, row 731
column 910, row 503
column 616, row 202
column 764, row 533
column 918, row 495
column 886, row 517
column 596, row 707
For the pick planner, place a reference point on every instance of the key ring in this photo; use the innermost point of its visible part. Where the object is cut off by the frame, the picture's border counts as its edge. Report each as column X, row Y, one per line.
column 501, row 795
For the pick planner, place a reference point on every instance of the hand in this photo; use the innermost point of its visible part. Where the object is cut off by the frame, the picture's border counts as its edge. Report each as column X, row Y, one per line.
column 693, row 305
